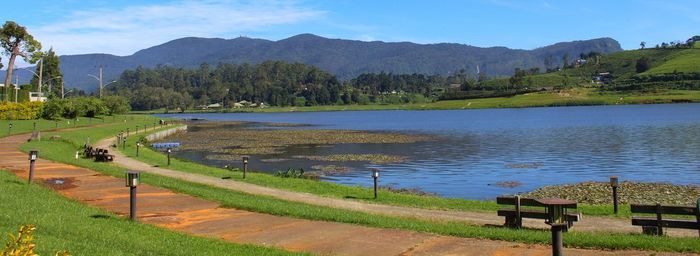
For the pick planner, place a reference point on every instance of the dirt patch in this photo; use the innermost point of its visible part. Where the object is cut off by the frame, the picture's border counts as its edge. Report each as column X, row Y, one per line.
column 60, row 183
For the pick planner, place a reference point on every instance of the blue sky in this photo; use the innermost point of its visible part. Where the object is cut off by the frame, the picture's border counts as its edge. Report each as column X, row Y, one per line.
column 122, row 27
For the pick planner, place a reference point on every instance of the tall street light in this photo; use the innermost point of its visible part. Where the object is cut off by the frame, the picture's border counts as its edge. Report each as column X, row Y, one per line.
column 99, row 79
column 63, row 95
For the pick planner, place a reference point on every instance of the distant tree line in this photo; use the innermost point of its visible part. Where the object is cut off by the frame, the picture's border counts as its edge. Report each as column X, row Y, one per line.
column 273, row 83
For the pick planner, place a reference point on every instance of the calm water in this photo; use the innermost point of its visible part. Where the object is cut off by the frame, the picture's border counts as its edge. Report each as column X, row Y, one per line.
column 536, row 146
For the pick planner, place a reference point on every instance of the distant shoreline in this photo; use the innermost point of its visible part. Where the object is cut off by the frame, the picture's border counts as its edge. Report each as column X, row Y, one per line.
column 571, row 97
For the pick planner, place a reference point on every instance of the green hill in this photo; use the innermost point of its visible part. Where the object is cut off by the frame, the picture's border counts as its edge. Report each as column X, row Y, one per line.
column 685, row 61
column 667, row 67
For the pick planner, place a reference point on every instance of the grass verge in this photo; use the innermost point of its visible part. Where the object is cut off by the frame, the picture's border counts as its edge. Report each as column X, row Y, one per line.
column 64, row 224
column 56, row 150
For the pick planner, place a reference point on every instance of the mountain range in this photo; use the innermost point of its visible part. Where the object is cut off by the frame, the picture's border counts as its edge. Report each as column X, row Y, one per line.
column 344, row 58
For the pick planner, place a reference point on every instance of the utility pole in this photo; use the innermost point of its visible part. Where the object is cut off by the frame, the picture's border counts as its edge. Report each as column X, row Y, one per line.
column 16, row 87
column 62, row 85
column 41, row 71
column 100, row 81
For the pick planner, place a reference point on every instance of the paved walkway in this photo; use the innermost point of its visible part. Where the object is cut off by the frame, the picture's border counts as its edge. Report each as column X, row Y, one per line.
column 206, row 218
column 587, row 223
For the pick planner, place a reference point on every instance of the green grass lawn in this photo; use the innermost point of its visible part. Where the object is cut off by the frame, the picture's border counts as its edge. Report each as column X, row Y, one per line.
column 64, row 224
column 57, row 150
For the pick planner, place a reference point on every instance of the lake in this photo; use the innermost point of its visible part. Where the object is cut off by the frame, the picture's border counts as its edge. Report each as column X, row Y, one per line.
column 476, row 149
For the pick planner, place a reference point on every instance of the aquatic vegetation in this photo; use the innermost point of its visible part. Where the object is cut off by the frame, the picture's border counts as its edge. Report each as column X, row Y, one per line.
column 326, row 170
column 291, row 173
column 507, row 184
column 236, row 141
column 372, row 158
column 629, row 192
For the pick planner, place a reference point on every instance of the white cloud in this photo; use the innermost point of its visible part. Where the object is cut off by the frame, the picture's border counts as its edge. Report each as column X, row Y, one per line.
column 125, row 30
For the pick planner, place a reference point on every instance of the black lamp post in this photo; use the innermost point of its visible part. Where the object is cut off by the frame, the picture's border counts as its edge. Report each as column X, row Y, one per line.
column 9, row 130
column 138, row 145
column 124, row 142
column 32, row 159
column 34, row 128
column 169, row 151
column 375, row 176
column 614, row 184
column 132, row 181
column 245, row 165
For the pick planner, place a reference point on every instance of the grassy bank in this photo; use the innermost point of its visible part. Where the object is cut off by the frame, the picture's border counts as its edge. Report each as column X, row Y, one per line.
column 64, row 224
column 333, row 190
column 570, row 97
column 25, row 126
column 56, row 150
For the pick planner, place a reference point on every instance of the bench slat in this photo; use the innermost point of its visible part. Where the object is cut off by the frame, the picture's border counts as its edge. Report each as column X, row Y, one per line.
column 534, row 214
column 679, row 210
column 510, row 200
column 652, row 222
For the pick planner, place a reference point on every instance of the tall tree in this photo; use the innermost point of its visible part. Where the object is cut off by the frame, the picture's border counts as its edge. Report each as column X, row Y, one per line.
column 643, row 44
column 51, row 73
column 16, row 41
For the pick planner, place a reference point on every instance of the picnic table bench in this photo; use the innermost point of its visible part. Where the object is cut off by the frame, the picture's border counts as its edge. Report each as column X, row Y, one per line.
column 514, row 216
column 655, row 225
column 100, row 155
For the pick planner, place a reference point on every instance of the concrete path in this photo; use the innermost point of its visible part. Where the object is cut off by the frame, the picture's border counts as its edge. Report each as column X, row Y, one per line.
column 587, row 223
column 200, row 217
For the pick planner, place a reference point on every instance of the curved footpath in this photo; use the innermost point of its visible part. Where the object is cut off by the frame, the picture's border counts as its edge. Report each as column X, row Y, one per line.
column 200, row 217
column 587, row 223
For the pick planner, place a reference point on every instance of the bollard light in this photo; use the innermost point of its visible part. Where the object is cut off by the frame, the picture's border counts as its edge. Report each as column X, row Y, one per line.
column 33, row 154
column 375, row 176
column 9, row 130
column 614, row 183
column 132, row 181
column 124, row 142
column 138, row 145
column 169, row 151
column 245, row 165
column 132, row 178
column 137, row 129
column 34, row 128
column 127, row 132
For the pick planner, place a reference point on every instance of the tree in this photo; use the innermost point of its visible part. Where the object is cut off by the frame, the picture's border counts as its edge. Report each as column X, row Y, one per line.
column 643, row 44
column 16, row 41
column 116, row 104
column 548, row 63
column 565, row 60
column 643, row 64
column 51, row 71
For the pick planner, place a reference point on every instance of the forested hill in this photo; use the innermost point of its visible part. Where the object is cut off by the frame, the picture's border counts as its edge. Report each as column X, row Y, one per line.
column 344, row 58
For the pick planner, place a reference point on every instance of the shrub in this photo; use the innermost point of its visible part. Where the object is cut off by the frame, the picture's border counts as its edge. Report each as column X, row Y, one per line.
column 20, row 111
column 291, row 173
column 22, row 244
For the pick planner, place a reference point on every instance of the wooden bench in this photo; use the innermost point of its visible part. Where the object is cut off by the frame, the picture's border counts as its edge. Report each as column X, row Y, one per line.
column 514, row 216
column 100, row 155
column 655, row 225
